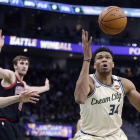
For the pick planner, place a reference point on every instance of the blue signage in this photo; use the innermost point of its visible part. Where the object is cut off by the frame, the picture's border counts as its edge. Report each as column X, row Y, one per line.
column 29, row 3
column 66, row 8
column 5, row 1
column 42, row 5
column 65, row 46
column 16, row 3
column 60, row 131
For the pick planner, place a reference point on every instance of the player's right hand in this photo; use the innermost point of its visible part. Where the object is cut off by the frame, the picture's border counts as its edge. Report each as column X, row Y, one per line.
column 28, row 96
column 47, row 84
column 86, row 45
column 1, row 40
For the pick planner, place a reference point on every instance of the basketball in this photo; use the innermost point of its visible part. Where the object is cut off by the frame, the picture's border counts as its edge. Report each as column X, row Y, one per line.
column 112, row 20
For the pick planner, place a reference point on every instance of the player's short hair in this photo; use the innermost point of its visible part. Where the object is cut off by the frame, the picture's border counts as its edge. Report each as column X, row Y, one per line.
column 102, row 49
column 19, row 57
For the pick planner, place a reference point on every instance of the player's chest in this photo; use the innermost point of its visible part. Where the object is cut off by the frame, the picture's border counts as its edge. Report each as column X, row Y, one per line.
column 107, row 96
column 19, row 88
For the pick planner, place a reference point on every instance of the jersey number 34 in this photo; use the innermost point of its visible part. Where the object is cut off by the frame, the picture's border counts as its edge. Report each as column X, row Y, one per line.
column 113, row 109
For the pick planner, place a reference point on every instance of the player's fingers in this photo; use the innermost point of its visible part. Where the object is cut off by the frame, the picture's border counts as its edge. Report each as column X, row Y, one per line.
column 90, row 40
column 25, row 92
column 32, row 102
column 35, row 95
column 33, row 91
column 47, row 80
column 86, row 36
column 83, row 34
column 34, row 99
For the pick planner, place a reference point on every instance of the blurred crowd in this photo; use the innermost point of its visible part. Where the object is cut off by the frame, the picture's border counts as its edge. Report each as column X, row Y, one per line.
column 48, row 26
column 58, row 106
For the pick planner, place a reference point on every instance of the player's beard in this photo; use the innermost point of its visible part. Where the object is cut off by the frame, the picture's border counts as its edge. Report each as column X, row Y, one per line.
column 22, row 74
column 105, row 72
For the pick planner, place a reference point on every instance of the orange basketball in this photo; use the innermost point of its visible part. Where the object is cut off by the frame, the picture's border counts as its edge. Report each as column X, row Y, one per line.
column 112, row 20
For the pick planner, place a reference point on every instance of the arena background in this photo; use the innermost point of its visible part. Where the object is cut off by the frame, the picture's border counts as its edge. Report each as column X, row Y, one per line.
column 62, row 68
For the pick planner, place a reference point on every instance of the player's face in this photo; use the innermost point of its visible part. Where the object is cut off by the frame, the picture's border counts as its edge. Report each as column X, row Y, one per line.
column 103, row 63
column 22, row 67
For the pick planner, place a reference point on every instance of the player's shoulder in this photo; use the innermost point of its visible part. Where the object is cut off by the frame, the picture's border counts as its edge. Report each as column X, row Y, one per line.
column 10, row 72
column 127, row 84
column 10, row 78
column 91, row 79
column 125, row 81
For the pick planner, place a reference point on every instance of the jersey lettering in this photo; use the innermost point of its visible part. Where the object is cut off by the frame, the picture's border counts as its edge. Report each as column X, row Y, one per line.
column 18, row 91
column 112, row 110
column 20, row 106
column 115, row 96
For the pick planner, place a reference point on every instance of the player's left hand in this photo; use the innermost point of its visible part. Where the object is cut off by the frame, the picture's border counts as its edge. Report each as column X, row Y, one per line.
column 86, row 45
column 47, row 84
column 29, row 96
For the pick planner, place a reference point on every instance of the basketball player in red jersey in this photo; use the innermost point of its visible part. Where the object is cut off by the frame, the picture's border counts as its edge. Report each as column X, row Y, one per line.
column 12, row 84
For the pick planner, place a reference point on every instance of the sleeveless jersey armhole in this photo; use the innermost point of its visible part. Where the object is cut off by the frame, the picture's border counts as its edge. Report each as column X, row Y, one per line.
column 7, row 88
column 121, row 85
column 89, row 95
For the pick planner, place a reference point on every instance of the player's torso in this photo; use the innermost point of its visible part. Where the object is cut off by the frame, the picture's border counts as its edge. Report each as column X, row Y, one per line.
column 101, row 114
column 11, row 111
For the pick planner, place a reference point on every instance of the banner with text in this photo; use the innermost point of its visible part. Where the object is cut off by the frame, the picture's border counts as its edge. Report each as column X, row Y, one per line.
column 65, row 8
column 62, row 131
column 65, row 46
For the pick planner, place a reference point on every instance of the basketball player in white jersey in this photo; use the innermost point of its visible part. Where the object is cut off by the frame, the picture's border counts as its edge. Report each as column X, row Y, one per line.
column 100, row 96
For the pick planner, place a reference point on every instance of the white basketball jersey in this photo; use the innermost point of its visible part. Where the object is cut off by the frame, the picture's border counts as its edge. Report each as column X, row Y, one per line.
column 101, row 113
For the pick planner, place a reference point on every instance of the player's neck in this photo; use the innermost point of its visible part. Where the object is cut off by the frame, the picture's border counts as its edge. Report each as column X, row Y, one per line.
column 20, row 77
column 105, row 79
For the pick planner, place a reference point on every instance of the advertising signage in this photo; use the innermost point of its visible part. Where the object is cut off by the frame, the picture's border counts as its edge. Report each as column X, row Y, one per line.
column 66, row 46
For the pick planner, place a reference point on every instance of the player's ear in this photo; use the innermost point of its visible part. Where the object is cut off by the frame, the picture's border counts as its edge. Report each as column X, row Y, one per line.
column 15, row 66
column 112, row 64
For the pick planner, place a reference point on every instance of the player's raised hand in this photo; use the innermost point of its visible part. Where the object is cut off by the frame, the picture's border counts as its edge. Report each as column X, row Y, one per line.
column 86, row 45
column 28, row 96
column 1, row 39
column 47, row 84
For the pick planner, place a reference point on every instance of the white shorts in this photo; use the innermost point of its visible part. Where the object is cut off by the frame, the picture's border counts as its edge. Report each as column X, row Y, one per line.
column 119, row 135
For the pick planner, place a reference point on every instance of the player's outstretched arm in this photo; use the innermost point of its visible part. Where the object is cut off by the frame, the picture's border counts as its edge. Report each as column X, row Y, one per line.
column 4, row 74
column 39, row 89
column 82, row 85
column 131, row 93
column 7, row 74
column 25, row 96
